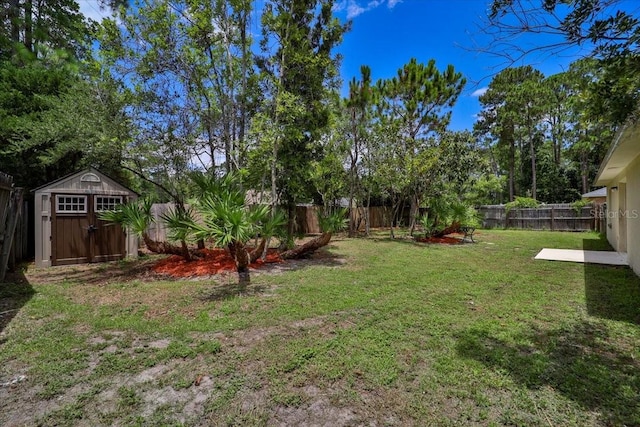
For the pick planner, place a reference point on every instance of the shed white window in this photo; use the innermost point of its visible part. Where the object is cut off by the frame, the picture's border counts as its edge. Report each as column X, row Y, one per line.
column 107, row 203
column 71, row 204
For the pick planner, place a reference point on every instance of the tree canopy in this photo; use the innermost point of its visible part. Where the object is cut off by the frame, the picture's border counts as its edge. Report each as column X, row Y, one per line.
column 165, row 88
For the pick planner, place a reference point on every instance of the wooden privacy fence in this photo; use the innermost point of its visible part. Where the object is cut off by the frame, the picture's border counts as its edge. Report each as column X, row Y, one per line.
column 556, row 217
column 306, row 219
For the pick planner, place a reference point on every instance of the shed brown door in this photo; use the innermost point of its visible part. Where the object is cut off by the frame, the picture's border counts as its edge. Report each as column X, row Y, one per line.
column 78, row 236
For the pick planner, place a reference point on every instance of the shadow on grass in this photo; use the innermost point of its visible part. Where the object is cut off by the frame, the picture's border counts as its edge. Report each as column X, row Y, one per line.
column 581, row 362
column 230, row 291
column 97, row 273
column 612, row 292
column 418, row 241
column 15, row 292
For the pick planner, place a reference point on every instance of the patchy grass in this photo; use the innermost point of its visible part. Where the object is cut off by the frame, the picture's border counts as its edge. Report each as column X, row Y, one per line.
column 369, row 332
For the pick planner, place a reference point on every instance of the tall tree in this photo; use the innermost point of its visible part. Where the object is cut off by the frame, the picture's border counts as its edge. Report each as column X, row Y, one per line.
column 608, row 30
column 511, row 109
column 57, row 113
column 591, row 132
column 298, row 62
column 37, row 26
column 186, row 67
column 358, row 110
column 416, row 106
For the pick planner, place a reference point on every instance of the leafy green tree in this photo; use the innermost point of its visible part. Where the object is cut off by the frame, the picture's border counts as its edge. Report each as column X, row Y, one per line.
column 511, row 110
column 591, row 132
column 359, row 116
column 606, row 30
column 298, row 62
column 55, row 118
column 415, row 107
column 185, row 68
column 57, row 114
column 32, row 28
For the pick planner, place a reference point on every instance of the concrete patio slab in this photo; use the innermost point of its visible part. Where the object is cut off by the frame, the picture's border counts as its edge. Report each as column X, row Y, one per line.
column 576, row 255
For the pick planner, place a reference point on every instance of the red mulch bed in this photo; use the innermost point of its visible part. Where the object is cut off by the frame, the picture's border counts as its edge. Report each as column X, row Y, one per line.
column 213, row 261
column 444, row 240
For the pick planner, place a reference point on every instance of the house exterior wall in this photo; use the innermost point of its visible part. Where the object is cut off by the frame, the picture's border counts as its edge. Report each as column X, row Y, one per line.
column 623, row 213
column 73, row 185
column 633, row 217
column 612, row 223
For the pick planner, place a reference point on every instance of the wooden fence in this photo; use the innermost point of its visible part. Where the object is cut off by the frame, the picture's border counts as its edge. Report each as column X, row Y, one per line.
column 13, row 225
column 558, row 217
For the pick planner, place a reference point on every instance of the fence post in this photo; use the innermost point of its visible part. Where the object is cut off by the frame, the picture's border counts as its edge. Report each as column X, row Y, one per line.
column 552, row 220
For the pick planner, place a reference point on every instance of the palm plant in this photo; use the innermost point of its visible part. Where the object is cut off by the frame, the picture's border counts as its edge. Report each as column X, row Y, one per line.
column 329, row 224
column 224, row 219
column 136, row 217
column 447, row 215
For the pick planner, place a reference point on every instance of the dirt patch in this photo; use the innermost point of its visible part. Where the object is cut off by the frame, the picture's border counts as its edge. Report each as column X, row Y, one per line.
column 318, row 412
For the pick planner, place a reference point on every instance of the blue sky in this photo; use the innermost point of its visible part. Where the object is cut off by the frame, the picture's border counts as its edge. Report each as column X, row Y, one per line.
column 387, row 33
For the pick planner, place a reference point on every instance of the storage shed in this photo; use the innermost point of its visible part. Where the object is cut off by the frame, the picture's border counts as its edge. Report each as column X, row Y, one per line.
column 67, row 228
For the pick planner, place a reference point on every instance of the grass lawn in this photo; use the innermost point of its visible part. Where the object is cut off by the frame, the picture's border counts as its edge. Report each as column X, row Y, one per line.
column 370, row 332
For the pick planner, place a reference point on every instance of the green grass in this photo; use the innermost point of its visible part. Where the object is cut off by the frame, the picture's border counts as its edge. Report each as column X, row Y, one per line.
column 378, row 332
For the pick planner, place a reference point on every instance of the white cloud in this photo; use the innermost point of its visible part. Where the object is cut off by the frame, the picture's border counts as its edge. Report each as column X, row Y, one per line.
column 354, row 8
column 479, row 92
column 91, row 9
column 340, row 6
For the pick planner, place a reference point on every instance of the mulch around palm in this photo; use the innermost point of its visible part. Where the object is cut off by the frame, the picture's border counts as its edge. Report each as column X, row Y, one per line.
column 210, row 262
column 444, row 240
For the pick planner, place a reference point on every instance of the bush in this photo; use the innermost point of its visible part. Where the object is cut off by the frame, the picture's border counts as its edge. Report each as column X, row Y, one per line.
column 522, row 202
column 445, row 214
column 579, row 204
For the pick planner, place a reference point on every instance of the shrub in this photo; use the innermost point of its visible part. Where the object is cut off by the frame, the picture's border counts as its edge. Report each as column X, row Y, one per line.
column 522, row 202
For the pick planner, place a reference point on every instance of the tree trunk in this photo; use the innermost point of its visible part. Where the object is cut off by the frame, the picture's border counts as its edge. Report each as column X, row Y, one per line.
column 309, row 247
column 185, row 250
column 453, row 228
column 584, row 171
column 367, row 217
column 512, row 170
column 162, row 247
column 413, row 213
column 532, row 152
column 14, row 20
column 240, row 256
column 259, row 251
column 28, row 25
column 291, row 223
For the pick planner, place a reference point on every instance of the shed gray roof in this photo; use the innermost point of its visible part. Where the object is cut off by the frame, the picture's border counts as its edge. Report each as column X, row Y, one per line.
column 600, row 192
column 79, row 173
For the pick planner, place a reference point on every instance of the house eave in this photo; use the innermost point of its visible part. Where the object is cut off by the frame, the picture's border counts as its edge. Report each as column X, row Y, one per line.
column 623, row 151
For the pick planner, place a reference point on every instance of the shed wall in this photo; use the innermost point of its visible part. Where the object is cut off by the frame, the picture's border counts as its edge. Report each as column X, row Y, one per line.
column 73, row 185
